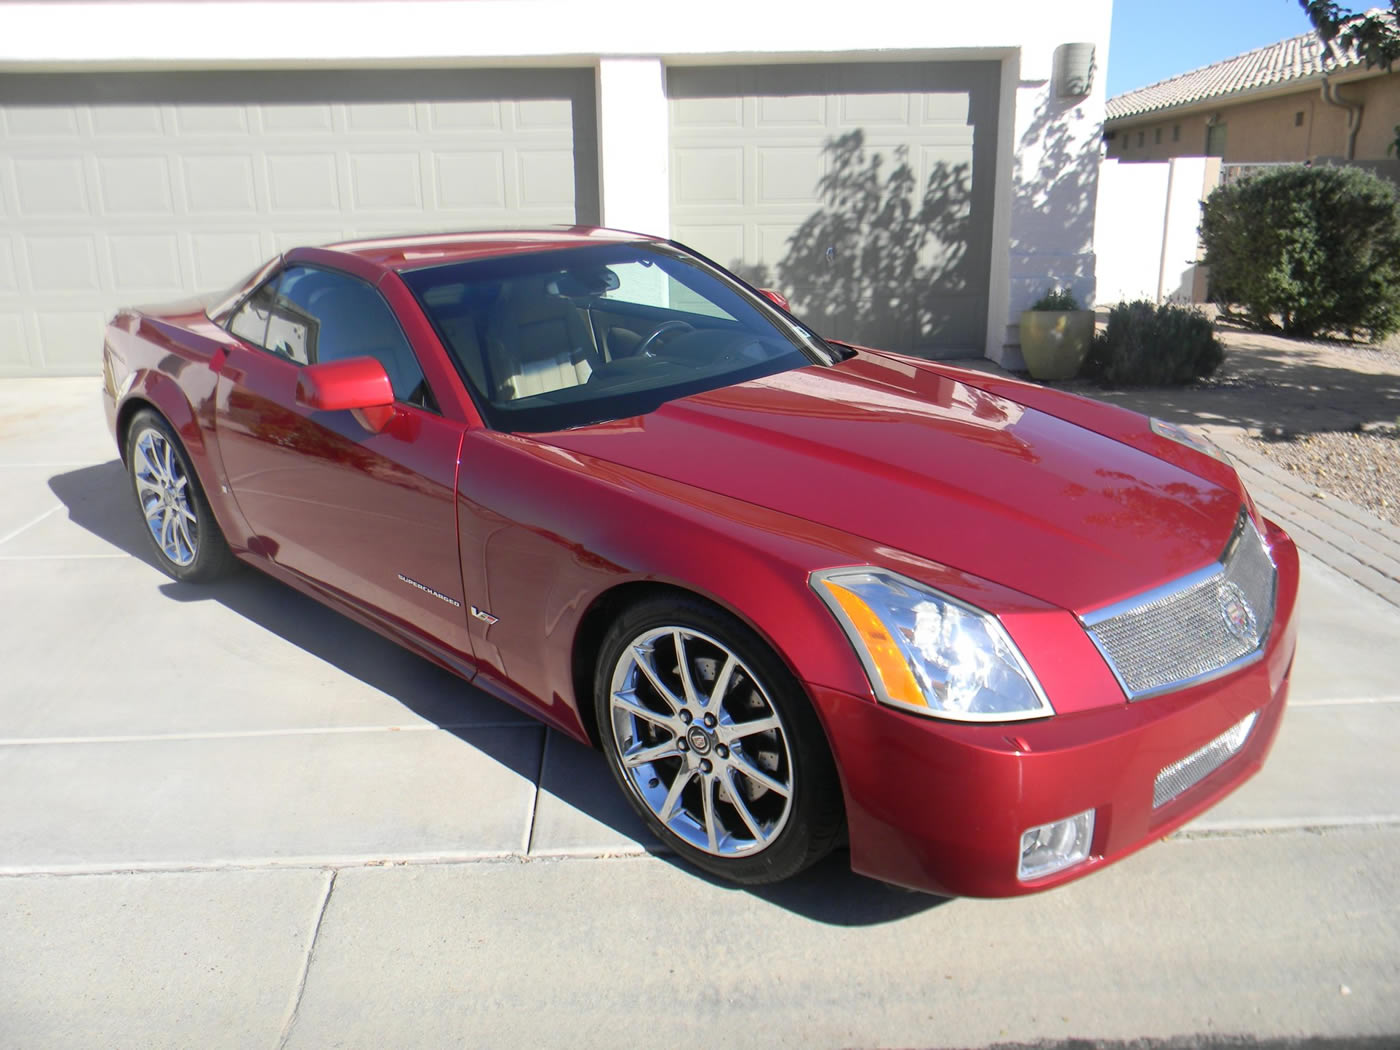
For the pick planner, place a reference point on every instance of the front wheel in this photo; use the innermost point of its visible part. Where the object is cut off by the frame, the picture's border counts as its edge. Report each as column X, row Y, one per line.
column 714, row 742
column 183, row 533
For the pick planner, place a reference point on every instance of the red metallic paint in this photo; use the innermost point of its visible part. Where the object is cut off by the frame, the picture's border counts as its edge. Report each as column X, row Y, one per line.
column 1027, row 502
column 355, row 382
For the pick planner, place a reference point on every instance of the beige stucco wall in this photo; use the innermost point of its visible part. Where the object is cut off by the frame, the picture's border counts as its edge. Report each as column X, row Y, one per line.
column 1270, row 129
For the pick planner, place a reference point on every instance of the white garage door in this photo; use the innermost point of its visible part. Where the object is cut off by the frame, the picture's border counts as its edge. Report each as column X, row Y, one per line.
column 129, row 188
column 863, row 192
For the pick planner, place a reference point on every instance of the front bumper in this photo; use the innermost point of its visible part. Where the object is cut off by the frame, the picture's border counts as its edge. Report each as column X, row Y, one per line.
column 940, row 806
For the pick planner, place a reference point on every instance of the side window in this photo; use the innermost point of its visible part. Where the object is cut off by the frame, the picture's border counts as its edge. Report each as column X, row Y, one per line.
column 321, row 315
column 250, row 322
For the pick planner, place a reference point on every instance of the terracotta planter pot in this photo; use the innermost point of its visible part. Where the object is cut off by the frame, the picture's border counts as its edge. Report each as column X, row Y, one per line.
column 1054, row 342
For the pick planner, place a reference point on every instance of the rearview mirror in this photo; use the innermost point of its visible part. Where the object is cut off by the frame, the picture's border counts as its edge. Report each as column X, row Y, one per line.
column 358, row 384
column 777, row 298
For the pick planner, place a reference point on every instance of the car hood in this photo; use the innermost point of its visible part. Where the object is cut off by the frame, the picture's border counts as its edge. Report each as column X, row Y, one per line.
column 908, row 457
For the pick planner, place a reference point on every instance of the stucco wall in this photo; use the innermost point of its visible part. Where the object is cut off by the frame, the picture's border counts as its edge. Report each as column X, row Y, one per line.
column 1297, row 126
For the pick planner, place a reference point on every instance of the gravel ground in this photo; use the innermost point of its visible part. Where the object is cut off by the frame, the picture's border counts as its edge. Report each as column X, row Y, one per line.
column 1361, row 467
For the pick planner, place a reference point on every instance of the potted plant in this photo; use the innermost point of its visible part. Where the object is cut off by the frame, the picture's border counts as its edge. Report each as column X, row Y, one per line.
column 1055, row 335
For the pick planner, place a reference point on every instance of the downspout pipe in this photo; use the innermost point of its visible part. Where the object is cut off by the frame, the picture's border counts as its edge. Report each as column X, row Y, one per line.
column 1354, row 111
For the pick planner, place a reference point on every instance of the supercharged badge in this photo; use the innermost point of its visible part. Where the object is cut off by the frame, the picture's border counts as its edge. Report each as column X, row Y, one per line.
column 428, row 590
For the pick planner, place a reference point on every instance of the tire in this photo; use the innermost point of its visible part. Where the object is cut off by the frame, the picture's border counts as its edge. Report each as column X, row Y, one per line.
column 727, row 764
column 186, row 539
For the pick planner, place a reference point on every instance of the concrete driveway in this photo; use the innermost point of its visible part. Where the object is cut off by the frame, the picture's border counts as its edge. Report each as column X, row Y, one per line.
column 230, row 818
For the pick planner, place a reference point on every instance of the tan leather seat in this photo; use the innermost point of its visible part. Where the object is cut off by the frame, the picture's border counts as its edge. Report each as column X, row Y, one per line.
column 536, row 342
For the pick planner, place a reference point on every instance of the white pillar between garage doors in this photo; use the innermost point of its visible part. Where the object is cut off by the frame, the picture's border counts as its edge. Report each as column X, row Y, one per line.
column 633, row 145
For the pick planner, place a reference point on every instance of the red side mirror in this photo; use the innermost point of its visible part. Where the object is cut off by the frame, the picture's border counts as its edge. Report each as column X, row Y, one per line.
column 358, row 384
column 777, row 298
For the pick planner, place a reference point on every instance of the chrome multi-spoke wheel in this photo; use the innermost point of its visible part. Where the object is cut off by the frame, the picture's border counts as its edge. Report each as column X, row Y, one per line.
column 163, row 488
column 701, row 742
column 187, row 542
column 714, row 741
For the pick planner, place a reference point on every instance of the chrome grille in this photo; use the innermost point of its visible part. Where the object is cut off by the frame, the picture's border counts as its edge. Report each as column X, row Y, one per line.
column 1194, row 628
column 1195, row 767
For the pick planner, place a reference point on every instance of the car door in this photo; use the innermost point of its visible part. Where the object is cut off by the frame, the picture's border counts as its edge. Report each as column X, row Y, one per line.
column 368, row 517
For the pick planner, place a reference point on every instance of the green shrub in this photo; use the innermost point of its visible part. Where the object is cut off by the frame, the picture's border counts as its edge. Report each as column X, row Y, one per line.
column 1056, row 299
column 1318, row 247
column 1150, row 345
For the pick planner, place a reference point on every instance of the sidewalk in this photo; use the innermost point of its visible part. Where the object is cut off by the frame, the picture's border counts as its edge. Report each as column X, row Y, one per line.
column 232, row 818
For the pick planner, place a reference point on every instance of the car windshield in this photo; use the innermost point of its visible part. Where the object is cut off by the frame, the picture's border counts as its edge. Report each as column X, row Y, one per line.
column 558, row 339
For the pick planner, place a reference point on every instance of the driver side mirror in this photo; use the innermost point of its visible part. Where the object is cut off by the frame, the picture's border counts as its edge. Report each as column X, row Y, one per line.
column 776, row 298
column 358, row 384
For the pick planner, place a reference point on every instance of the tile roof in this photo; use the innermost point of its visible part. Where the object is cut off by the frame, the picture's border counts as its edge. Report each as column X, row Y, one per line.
column 1291, row 59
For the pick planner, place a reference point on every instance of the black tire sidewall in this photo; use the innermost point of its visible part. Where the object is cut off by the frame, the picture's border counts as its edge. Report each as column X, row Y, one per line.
column 815, row 817
column 211, row 558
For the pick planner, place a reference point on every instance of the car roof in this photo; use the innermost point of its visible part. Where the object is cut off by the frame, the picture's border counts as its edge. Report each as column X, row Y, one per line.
column 434, row 249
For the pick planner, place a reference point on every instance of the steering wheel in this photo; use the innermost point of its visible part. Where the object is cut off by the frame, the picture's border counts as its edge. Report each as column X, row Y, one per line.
column 646, row 346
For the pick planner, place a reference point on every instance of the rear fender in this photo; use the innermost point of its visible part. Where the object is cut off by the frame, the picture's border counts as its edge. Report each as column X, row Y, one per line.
column 148, row 388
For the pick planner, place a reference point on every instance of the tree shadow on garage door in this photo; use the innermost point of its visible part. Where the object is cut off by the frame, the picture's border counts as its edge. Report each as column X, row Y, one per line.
column 576, row 798
column 883, row 261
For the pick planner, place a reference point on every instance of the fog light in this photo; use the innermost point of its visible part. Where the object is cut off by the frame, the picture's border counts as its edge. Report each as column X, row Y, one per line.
column 1055, row 847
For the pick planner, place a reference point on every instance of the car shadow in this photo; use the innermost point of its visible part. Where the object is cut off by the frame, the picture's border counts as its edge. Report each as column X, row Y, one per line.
column 98, row 499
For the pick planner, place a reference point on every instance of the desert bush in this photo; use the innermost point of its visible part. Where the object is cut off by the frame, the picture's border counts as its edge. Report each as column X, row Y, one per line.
column 1056, row 299
column 1149, row 345
column 1318, row 247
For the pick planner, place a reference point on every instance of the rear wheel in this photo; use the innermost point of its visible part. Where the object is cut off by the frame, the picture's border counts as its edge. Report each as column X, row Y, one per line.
column 183, row 533
column 714, row 742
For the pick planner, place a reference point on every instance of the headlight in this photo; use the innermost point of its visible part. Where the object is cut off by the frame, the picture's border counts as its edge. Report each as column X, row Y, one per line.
column 930, row 653
column 1189, row 438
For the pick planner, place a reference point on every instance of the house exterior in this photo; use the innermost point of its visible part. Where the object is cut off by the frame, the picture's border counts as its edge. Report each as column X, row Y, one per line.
column 156, row 149
column 1294, row 101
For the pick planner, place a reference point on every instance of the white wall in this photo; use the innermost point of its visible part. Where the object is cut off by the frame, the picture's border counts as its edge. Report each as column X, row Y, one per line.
column 1146, row 239
column 1047, row 155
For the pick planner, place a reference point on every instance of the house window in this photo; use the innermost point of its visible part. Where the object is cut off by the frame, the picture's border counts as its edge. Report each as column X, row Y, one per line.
column 1141, row 138
column 1298, row 119
column 1215, row 140
column 1176, row 132
column 1157, row 137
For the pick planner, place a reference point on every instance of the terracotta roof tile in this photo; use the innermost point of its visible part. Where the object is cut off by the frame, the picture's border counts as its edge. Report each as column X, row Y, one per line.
column 1292, row 59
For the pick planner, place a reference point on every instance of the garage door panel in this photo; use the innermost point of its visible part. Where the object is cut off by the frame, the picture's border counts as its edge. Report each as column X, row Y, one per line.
column 819, row 146
column 386, row 116
column 471, row 181
column 145, row 263
column 134, row 186
column 62, row 263
column 9, row 275
column 710, row 175
column 788, row 175
column 792, row 111
column 293, row 119
column 544, row 114
column 465, row 116
column 220, row 184
column 14, row 347
column 864, row 111
column 40, row 122
column 386, row 181
column 122, row 188
column 51, row 186
column 720, row 243
column 126, row 120
column 65, row 339
column 545, row 180
column 707, row 113
column 217, row 255
column 211, row 120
